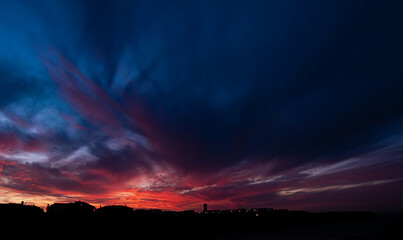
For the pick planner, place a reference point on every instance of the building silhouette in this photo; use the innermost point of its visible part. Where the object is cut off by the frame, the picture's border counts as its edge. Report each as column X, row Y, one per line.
column 16, row 209
column 205, row 207
column 75, row 208
column 114, row 210
column 148, row 213
column 189, row 213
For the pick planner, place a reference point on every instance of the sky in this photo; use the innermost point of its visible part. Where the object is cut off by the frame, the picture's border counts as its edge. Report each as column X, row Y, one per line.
column 171, row 104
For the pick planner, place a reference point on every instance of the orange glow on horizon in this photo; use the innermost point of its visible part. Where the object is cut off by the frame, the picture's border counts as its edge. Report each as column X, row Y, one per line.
column 135, row 198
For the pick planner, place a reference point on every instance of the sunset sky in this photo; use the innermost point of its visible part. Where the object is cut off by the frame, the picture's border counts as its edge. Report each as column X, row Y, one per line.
column 170, row 104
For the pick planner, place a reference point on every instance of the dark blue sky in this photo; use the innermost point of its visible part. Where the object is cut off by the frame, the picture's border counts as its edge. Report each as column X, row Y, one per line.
column 168, row 104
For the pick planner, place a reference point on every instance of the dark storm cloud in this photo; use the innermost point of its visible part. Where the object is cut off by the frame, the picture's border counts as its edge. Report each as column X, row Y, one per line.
column 313, row 82
column 11, row 88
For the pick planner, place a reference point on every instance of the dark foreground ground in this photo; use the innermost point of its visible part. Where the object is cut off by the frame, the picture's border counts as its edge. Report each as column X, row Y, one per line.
column 299, row 225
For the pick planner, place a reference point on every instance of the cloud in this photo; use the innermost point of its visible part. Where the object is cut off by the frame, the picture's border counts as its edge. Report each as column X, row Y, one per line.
column 27, row 157
column 287, row 192
column 79, row 157
column 169, row 104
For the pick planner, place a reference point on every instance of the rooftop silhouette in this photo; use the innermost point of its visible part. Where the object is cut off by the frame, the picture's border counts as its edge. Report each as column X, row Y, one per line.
column 75, row 208
column 119, row 220
column 20, row 209
column 114, row 211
